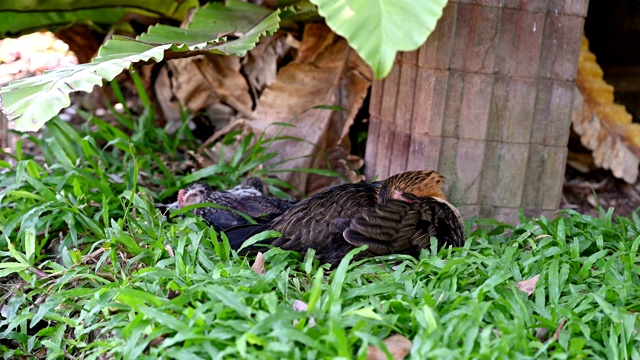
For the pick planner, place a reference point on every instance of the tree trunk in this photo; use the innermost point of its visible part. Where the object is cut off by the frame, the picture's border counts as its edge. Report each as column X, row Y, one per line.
column 487, row 102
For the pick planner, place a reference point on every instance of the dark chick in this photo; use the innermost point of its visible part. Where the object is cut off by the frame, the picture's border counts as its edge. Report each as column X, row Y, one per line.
column 397, row 215
column 249, row 197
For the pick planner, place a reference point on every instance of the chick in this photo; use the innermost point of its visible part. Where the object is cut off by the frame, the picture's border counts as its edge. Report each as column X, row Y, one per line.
column 249, row 197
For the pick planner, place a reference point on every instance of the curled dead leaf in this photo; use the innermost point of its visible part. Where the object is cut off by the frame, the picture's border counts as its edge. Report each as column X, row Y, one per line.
column 556, row 335
column 220, row 133
column 326, row 71
column 604, row 127
column 398, row 345
column 529, row 285
column 261, row 63
column 204, row 80
column 42, row 354
column 258, row 264
column 201, row 161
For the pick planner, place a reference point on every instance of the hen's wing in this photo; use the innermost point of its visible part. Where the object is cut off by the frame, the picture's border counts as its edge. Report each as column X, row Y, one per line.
column 406, row 227
column 220, row 218
column 263, row 207
column 314, row 222
column 260, row 208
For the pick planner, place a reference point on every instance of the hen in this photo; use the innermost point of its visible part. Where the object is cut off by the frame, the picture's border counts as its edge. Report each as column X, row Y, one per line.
column 397, row 215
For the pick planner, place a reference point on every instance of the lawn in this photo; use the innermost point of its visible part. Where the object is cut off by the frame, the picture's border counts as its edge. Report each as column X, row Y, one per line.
column 92, row 269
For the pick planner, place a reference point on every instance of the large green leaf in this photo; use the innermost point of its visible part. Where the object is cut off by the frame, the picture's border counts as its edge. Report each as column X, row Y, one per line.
column 378, row 29
column 30, row 103
column 26, row 16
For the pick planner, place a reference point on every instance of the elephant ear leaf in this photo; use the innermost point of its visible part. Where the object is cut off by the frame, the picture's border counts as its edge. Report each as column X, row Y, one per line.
column 377, row 30
column 29, row 103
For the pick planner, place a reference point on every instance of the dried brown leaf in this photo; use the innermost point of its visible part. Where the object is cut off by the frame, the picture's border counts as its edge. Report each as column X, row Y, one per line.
column 42, row 353
column 258, row 264
column 261, row 63
column 220, row 133
column 604, row 127
column 529, row 285
column 204, row 80
column 556, row 335
column 341, row 162
column 218, row 150
column 326, row 72
column 398, row 345
column 168, row 104
column 156, row 341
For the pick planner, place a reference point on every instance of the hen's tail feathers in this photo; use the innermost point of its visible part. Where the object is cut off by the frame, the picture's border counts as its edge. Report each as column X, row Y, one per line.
column 237, row 235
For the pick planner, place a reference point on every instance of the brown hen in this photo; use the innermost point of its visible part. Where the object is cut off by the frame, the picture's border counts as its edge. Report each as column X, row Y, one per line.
column 397, row 215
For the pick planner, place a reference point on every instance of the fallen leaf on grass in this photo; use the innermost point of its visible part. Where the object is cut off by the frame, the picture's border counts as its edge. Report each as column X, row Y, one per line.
column 258, row 264
column 299, row 306
column 41, row 354
column 529, row 285
column 398, row 345
column 556, row 335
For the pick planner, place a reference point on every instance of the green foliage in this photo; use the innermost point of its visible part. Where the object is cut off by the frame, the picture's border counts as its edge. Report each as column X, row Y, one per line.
column 131, row 298
column 31, row 102
column 91, row 268
column 377, row 30
column 20, row 17
column 71, row 195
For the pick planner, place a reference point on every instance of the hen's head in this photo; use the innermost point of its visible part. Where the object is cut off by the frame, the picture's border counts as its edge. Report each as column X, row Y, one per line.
column 192, row 194
column 424, row 183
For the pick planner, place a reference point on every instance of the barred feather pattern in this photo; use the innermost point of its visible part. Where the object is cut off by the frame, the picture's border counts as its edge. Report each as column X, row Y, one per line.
column 397, row 215
column 249, row 197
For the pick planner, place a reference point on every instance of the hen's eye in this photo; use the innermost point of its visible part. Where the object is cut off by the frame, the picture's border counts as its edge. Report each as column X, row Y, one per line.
column 193, row 198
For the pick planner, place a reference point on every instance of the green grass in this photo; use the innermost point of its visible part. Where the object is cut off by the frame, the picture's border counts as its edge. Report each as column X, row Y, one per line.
column 91, row 268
